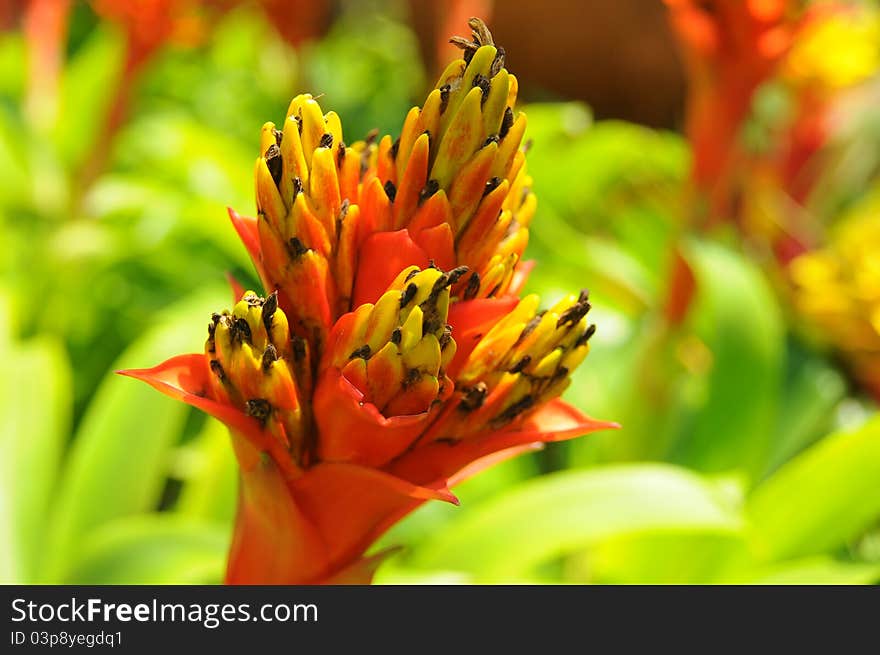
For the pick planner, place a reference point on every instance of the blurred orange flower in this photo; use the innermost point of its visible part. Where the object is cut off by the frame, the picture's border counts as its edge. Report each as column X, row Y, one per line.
column 730, row 48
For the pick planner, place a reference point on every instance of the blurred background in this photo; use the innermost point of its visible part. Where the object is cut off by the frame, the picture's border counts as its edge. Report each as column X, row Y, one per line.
column 710, row 170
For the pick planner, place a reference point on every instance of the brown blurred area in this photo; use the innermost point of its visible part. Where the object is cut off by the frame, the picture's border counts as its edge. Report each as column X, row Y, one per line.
column 618, row 56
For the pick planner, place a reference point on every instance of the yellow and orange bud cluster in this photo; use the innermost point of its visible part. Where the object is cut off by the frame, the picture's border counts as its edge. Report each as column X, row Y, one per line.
column 258, row 368
column 306, row 229
column 524, row 361
column 455, row 180
column 396, row 351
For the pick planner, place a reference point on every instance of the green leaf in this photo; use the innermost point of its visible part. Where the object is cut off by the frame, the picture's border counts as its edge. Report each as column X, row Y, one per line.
column 89, row 74
column 739, row 319
column 209, row 473
column 430, row 519
column 822, row 498
column 814, row 570
column 119, row 460
column 152, row 549
column 562, row 512
column 665, row 558
column 806, row 412
column 35, row 388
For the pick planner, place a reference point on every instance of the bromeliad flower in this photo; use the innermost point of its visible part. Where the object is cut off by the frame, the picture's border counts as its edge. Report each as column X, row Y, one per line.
column 391, row 357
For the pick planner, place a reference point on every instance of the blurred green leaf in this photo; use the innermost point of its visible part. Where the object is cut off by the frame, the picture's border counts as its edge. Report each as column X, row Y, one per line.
column 94, row 68
column 814, row 570
column 739, row 320
column 430, row 519
column 152, row 549
column 389, row 574
column 821, row 499
column 561, row 512
column 209, row 473
column 368, row 67
column 119, row 459
column 806, row 412
column 35, row 387
column 665, row 558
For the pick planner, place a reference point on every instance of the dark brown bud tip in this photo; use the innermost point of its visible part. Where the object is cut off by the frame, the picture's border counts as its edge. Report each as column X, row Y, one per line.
column 473, row 397
column 390, row 190
column 506, row 123
column 270, row 306
column 497, row 63
column 363, row 352
column 241, row 331
column 259, row 408
column 587, row 335
column 491, row 185
column 473, row 286
column 430, row 188
column 269, row 356
column 217, row 369
column 296, row 248
column 521, row 364
column 274, row 163
column 408, row 294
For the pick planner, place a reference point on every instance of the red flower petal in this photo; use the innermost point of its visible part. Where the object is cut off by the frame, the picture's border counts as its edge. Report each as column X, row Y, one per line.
column 351, row 506
column 472, row 319
column 185, row 378
column 382, row 257
column 235, row 286
column 273, row 542
column 248, row 232
column 554, row 421
column 356, row 431
column 362, row 571
column 490, row 460
column 439, row 245
column 520, row 277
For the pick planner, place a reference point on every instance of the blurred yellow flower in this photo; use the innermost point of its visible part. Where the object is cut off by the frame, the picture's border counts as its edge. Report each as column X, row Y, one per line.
column 836, row 49
column 837, row 288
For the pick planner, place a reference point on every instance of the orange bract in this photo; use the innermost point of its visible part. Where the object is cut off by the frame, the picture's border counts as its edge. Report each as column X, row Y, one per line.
column 391, row 358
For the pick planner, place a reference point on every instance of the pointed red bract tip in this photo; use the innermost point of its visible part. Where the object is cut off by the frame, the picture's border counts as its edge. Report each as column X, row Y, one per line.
column 186, row 378
column 235, row 286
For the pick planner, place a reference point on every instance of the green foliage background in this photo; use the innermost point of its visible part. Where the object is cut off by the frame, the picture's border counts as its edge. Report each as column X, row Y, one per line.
column 745, row 456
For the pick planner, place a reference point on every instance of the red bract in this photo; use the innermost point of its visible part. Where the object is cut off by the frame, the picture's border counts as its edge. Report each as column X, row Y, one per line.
column 391, row 359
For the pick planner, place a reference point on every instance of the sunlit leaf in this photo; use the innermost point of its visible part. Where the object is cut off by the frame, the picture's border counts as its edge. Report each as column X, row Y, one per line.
column 806, row 411
column 84, row 102
column 152, row 549
column 814, row 570
column 739, row 320
column 35, row 406
column 824, row 497
column 558, row 513
column 119, row 459
column 664, row 558
column 207, row 468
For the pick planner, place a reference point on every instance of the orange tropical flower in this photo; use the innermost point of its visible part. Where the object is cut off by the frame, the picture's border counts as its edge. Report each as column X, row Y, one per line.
column 730, row 47
column 392, row 357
